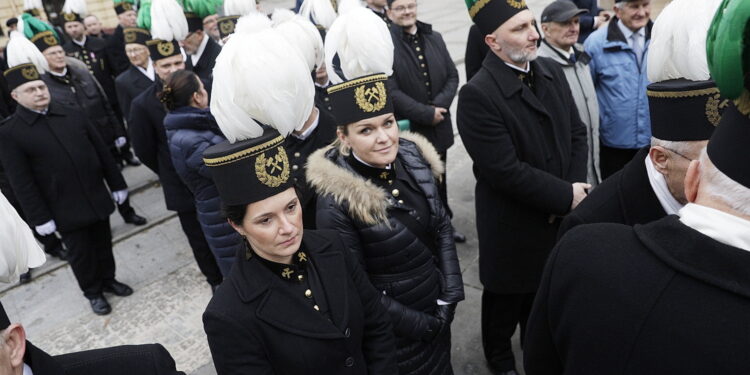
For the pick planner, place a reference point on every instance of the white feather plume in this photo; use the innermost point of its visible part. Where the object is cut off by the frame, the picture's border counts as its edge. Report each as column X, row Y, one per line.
column 168, row 20
column 256, row 80
column 252, row 23
column 345, row 6
column 21, row 51
column 363, row 43
column 678, row 41
column 32, row 4
column 302, row 34
column 320, row 11
column 75, row 6
column 239, row 7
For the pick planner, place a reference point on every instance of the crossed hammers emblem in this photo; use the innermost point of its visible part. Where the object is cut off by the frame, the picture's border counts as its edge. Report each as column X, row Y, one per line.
column 274, row 164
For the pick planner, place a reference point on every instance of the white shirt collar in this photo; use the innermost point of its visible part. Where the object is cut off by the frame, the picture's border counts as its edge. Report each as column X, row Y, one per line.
column 27, row 370
column 721, row 226
column 368, row 164
column 201, row 48
column 629, row 33
column 528, row 66
column 309, row 130
column 149, row 71
column 64, row 72
column 659, row 186
column 562, row 51
column 82, row 42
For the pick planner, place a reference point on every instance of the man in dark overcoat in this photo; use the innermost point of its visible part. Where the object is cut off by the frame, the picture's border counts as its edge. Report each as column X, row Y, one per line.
column 424, row 82
column 521, row 128
column 146, row 126
column 126, row 17
column 140, row 75
column 668, row 297
column 59, row 165
column 201, row 50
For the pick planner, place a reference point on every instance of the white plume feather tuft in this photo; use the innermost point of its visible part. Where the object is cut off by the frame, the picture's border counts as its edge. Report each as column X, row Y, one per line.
column 320, row 11
column 168, row 20
column 252, row 23
column 256, row 80
column 678, row 41
column 75, row 6
column 346, row 6
column 363, row 43
column 239, row 7
column 302, row 34
column 21, row 51
column 20, row 27
column 32, row 4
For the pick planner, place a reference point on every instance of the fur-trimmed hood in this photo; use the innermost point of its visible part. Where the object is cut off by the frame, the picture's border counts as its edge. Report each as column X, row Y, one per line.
column 328, row 174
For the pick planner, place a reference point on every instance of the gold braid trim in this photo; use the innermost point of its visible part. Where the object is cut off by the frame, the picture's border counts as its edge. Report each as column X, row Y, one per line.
column 743, row 103
column 682, row 94
column 357, row 82
column 246, row 153
column 477, row 7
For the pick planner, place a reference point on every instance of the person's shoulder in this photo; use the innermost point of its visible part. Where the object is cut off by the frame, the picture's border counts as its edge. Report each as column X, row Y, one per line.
column 596, row 39
column 599, row 246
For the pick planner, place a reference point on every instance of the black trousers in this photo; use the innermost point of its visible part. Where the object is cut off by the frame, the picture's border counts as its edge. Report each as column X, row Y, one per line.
column 125, row 209
column 613, row 159
column 90, row 256
column 201, row 251
column 501, row 313
column 443, row 185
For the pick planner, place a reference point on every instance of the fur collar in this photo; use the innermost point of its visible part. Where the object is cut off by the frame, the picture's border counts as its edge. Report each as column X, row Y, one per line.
column 365, row 201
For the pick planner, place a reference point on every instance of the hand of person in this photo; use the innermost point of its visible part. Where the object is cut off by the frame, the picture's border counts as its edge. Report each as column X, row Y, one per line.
column 439, row 115
column 120, row 196
column 446, row 312
column 46, row 228
column 120, row 141
column 579, row 193
column 600, row 21
column 435, row 325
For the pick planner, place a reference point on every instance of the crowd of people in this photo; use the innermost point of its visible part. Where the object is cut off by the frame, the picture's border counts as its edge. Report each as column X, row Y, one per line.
column 304, row 153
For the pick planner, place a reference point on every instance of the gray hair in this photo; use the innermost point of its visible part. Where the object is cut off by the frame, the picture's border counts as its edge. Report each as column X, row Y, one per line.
column 718, row 185
column 683, row 148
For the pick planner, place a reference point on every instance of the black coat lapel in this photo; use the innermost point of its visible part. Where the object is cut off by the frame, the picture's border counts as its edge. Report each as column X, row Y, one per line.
column 40, row 362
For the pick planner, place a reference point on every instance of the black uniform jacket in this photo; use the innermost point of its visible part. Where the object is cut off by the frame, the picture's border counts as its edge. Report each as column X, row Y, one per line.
column 149, row 139
column 527, row 149
column 255, row 325
column 130, row 84
column 95, row 55
column 625, row 198
column 205, row 66
column 476, row 51
column 408, row 88
column 116, row 47
column 298, row 151
column 57, row 165
column 659, row 298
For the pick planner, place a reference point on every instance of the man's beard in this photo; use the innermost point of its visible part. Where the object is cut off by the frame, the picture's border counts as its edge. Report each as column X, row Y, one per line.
column 519, row 55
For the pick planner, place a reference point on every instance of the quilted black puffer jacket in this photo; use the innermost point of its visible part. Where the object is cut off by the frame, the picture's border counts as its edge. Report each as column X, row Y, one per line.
column 410, row 275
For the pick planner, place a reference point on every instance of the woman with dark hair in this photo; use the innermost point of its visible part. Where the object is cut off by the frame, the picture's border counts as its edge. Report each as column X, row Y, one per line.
column 296, row 302
column 191, row 129
column 377, row 188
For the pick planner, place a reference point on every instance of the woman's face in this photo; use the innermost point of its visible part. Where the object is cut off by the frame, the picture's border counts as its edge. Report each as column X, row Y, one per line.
column 374, row 140
column 273, row 226
column 200, row 97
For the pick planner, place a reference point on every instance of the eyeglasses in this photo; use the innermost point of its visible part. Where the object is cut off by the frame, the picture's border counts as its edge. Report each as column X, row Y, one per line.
column 134, row 52
column 403, row 8
column 681, row 155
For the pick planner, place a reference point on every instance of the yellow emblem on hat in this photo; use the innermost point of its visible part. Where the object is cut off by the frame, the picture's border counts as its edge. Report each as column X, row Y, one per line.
column 30, row 73
column 715, row 108
column 127, row 6
column 69, row 16
column 371, row 99
column 518, row 4
column 272, row 171
column 165, row 48
column 227, row 27
column 50, row 40
column 130, row 37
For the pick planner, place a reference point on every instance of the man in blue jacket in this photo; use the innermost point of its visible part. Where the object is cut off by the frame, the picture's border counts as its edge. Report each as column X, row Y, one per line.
column 618, row 67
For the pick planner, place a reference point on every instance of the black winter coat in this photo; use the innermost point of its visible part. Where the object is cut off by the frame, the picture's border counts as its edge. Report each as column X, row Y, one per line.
column 116, row 47
column 205, row 66
column 190, row 131
column 626, row 197
column 527, row 148
column 659, row 298
column 57, row 165
column 409, row 90
column 84, row 92
column 255, row 325
column 95, row 55
column 130, row 84
column 411, row 276
column 476, row 51
column 149, row 140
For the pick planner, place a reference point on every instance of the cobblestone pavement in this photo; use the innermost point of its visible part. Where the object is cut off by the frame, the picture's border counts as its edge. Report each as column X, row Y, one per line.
column 170, row 293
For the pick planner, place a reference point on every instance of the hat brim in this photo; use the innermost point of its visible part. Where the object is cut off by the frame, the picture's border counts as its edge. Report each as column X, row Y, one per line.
column 567, row 15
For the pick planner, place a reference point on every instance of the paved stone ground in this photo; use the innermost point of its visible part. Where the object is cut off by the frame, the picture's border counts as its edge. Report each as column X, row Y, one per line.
column 170, row 293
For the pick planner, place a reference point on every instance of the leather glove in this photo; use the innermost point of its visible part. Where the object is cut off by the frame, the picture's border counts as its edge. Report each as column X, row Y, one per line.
column 434, row 326
column 446, row 312
column 120, row 141
column 46, row 228
column 120, row 196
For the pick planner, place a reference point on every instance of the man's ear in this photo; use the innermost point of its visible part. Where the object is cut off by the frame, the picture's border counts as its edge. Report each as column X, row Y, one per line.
column 491, row 41
column 692, row 181
column 15, row 340
column 660, row 159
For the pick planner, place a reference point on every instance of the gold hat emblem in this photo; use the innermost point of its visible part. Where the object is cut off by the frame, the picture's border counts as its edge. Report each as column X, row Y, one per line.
column 165, row 48
column 371, row 99
column 130, row 37
column 518, row 4
column 127, row 6
column 50, row 40
column 227, row 27
column 715, row 108
column 272, row 171
column 30, row 73
column 69, row 16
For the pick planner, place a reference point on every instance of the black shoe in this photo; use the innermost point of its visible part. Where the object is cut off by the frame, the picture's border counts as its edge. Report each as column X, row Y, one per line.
column 132, row 161
column 117, row 288
column 458, row 237
column 59, row 252
column 135, row 220
column 100, row 305
column 25, row 277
